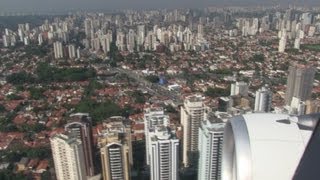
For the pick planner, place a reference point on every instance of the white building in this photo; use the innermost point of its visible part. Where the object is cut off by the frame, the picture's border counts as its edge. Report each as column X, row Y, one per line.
column 40, row 39
column 297, row 43
column 264, row 146
column 297, row 106
column 58, row 50
column 153, row 117
column 192, row 114
column 131, row 36
column 6, row 40
column 105, row 43
column 263, row 100
column 72, row 51
column 164, row 153
column 210, row 149
column 120, row 41
column 140, row 34
column 68, row 158
column 282, row 44
column 78, row 53
column 26, row 41
column 239, row 88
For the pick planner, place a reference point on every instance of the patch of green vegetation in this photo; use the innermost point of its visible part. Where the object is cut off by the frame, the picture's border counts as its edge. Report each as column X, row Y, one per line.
column 17, row 153
column 48, row 73
column 93, row 85
column 223, row 71
column 20, row 78
column 257, row 58
column 311, row 47
column 36, row 93
column 14, row 97
column 152, row 78
column 138, row 97
column 317, row 76
column 216, row 92
column 99, row 110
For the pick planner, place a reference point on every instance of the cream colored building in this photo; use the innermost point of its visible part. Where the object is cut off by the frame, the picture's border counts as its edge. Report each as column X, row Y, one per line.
column 68, row 157
column 192, row 114
column 115, row 146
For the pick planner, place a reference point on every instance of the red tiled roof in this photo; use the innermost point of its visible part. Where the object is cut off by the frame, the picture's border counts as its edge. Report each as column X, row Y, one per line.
column 43, row 165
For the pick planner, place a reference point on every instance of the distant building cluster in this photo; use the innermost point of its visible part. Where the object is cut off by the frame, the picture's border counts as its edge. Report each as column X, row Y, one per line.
column 192, row 96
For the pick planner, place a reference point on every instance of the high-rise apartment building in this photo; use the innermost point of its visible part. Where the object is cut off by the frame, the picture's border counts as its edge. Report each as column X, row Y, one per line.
column 141, row 31
column 210, row 149
column 58, row 50
column 68, row 157
column 80, row 126
column 192, row 114
column 239, row 88
column 131, row 40
column 299, row 82
column 153, row 117
column 164, row 154
column 6, row 40
column 72, row 51
column 40, row 39
column 263, row 100
column 282, row 44
column 115, row 146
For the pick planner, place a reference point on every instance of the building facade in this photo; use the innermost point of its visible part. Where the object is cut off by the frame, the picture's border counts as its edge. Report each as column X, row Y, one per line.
column 153, row 117
column 80, row 126
column 58, row 50
column 192, row 114
column 68, row 157
column 263, row 100
column 210, row 149
column 299, row 82
column 164, row 154
column 115, row 146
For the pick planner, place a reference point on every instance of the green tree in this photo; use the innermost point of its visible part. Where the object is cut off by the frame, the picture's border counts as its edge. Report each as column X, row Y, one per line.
column 36, row 93
column 20, row 78
column 152, row 78
column 216, row 92
column 138, row 97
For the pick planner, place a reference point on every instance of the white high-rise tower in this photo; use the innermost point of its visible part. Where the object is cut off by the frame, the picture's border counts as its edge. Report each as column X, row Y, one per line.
column 68, row 157
column 58, row 50
column 153, row 117
column 263, row 100
column 210, row 149
column 192, row 114
column 164, row 153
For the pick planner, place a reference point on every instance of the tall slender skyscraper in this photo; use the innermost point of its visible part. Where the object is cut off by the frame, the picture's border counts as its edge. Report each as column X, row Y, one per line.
column 192, row 114
column 58, row 50
column 115, row 149
column 80, row 126
column 263, row 100
column 153, row 117
column 68, row 157
column 164, row 154
column 299, row 82
column 210, row 149
column 72, row 51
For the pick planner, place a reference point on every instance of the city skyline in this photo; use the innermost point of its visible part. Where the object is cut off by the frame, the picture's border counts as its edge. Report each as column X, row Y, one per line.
column 195, row 94
column 65, row 6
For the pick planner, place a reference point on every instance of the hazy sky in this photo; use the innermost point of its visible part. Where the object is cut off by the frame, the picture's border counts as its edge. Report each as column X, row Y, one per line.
column 45, row 5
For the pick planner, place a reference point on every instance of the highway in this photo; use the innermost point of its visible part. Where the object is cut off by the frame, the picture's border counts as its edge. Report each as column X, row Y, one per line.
column 152, row 88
